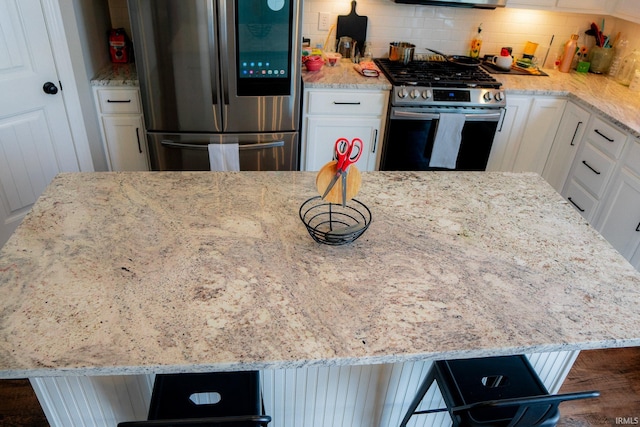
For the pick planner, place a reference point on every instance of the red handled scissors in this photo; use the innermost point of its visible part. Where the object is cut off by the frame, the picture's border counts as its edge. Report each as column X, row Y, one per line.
column 346, row 157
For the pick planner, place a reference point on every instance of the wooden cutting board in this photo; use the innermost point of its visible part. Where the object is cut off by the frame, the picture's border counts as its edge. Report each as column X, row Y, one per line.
column 354, row 26
column 326, row 174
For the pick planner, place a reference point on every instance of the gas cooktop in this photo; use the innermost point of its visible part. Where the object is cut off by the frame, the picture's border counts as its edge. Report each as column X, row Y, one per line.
column 440, row 74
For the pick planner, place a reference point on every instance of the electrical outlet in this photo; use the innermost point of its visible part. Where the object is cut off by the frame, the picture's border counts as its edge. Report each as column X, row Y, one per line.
column 324, row 19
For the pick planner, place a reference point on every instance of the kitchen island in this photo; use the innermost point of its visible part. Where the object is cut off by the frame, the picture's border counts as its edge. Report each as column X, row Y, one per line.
column 138, row 273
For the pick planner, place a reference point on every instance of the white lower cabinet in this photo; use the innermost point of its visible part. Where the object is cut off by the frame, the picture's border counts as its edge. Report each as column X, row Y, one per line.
column 565, row 145
column 593, row 167
column 525, row 136
column 122, row 127
column 619, row 218
column 332, row 114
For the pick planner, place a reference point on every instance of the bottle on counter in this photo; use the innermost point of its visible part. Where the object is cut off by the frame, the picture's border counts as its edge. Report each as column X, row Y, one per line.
column 620, row 52
column 476, row 44
column 628, row 68
column 569, row 53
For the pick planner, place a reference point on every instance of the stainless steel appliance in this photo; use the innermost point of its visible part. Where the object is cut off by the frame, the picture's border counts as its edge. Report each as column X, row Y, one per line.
column 216, row 72
column 422, row 91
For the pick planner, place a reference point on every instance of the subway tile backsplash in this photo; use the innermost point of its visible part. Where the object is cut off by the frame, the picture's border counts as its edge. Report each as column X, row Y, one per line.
column 450, row 29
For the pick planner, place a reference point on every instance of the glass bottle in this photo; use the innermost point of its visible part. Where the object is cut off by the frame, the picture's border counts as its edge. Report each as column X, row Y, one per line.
column 629, row 65
column 476, row 44
column 620, row 52
column 368, row 53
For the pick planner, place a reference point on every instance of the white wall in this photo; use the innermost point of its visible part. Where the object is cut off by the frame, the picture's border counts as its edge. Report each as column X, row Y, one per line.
column 450, row 29
column 86, row 23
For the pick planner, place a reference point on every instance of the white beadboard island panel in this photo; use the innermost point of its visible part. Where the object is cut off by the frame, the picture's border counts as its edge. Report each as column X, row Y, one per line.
column 333, row 396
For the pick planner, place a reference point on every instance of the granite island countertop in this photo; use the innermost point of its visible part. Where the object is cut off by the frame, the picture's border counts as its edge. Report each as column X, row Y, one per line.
column 122, row 273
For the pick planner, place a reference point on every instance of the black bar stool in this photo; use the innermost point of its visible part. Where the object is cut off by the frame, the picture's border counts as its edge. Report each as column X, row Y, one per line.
column 225, row 399
column 495, row 391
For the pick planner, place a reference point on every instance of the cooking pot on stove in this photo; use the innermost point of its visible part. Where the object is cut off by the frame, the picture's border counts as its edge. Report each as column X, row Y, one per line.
column 401, row 51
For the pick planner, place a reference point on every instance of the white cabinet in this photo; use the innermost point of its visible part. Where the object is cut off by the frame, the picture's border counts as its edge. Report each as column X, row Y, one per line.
column 504, row 150
column 572, row 127
column 627, row 9
column 578, row 6
column 539, row 133
column 593, row 166
column 524, row 139
column 537, row 4
column 619, row 219
column 122, row 128
column 332, row 114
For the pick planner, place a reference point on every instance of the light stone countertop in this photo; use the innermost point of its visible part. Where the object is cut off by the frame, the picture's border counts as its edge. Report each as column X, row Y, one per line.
column 598, row 93
column 343, row 76
column 117, row 75
column 123, row 273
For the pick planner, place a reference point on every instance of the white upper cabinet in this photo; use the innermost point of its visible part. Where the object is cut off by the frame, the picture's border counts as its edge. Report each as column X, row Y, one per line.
column 627, row 9
column 532, row 4
column 578, row 6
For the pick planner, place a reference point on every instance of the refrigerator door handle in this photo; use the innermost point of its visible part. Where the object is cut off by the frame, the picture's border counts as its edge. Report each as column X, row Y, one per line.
column 213, row 54
column 244, row 147
column 224, row 47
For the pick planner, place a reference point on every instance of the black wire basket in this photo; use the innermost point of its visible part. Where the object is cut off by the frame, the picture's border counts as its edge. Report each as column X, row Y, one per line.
column 333, row 224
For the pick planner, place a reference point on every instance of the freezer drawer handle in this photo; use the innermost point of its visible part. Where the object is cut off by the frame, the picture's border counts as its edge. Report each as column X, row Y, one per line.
column 245, row 147
column 603, row 135
column 584, row 162
column 574, row 204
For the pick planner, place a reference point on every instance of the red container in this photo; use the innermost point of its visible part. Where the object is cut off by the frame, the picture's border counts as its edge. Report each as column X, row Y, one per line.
column 119, row 46
column 314, row 63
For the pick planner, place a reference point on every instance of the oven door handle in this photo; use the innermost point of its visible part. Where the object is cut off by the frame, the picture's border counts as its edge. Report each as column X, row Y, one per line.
column 473, row 117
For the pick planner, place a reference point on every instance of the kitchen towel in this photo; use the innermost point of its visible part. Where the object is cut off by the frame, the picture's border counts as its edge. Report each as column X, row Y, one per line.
column 224, row 157
column 447, row 141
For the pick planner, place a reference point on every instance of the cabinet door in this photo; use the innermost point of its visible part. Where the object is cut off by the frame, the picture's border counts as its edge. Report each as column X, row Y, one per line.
column 537, row 4
column 628, row 9
column 126, row 146
column 583, row 6
column 619, row 222
column 509, row 134
column 539, row 133
column 322, row 133
column 570, row 132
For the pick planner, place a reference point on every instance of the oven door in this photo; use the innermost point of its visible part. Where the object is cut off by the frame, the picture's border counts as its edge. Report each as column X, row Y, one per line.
column 411, row 133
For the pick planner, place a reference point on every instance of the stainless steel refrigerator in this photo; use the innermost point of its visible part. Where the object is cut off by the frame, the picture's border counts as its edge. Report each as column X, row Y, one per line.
column 217, row 72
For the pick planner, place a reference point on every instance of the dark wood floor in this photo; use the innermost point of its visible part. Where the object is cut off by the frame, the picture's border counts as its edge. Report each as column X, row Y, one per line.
column 615, row 373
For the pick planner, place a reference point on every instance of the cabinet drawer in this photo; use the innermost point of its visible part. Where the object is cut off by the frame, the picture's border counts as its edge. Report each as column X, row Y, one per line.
column 593, row 169
column 580, row 199
column 606, row 137
column 119, row 101
column 352, row 103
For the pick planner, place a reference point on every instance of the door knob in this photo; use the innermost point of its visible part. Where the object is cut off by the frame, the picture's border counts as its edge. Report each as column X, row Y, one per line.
column 50, row 88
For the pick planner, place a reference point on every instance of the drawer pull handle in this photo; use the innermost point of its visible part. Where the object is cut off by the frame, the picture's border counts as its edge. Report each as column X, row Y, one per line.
column 573, row 140
column 117, row 101
column 346, row 103
column 603, row 135
column 138, row 137
column 574, row 204
column 589, row 166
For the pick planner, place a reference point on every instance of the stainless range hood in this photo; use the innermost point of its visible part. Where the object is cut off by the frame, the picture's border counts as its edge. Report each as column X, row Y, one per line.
column 482, row 4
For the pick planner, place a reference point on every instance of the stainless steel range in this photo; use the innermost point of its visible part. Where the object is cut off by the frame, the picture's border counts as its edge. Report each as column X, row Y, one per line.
column 422, row 122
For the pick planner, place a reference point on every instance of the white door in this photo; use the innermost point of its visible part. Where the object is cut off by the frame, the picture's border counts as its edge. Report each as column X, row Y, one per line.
column 35, row 137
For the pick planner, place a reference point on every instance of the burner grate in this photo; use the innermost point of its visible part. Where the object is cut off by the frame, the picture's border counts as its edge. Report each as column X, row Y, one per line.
column 436, row 73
